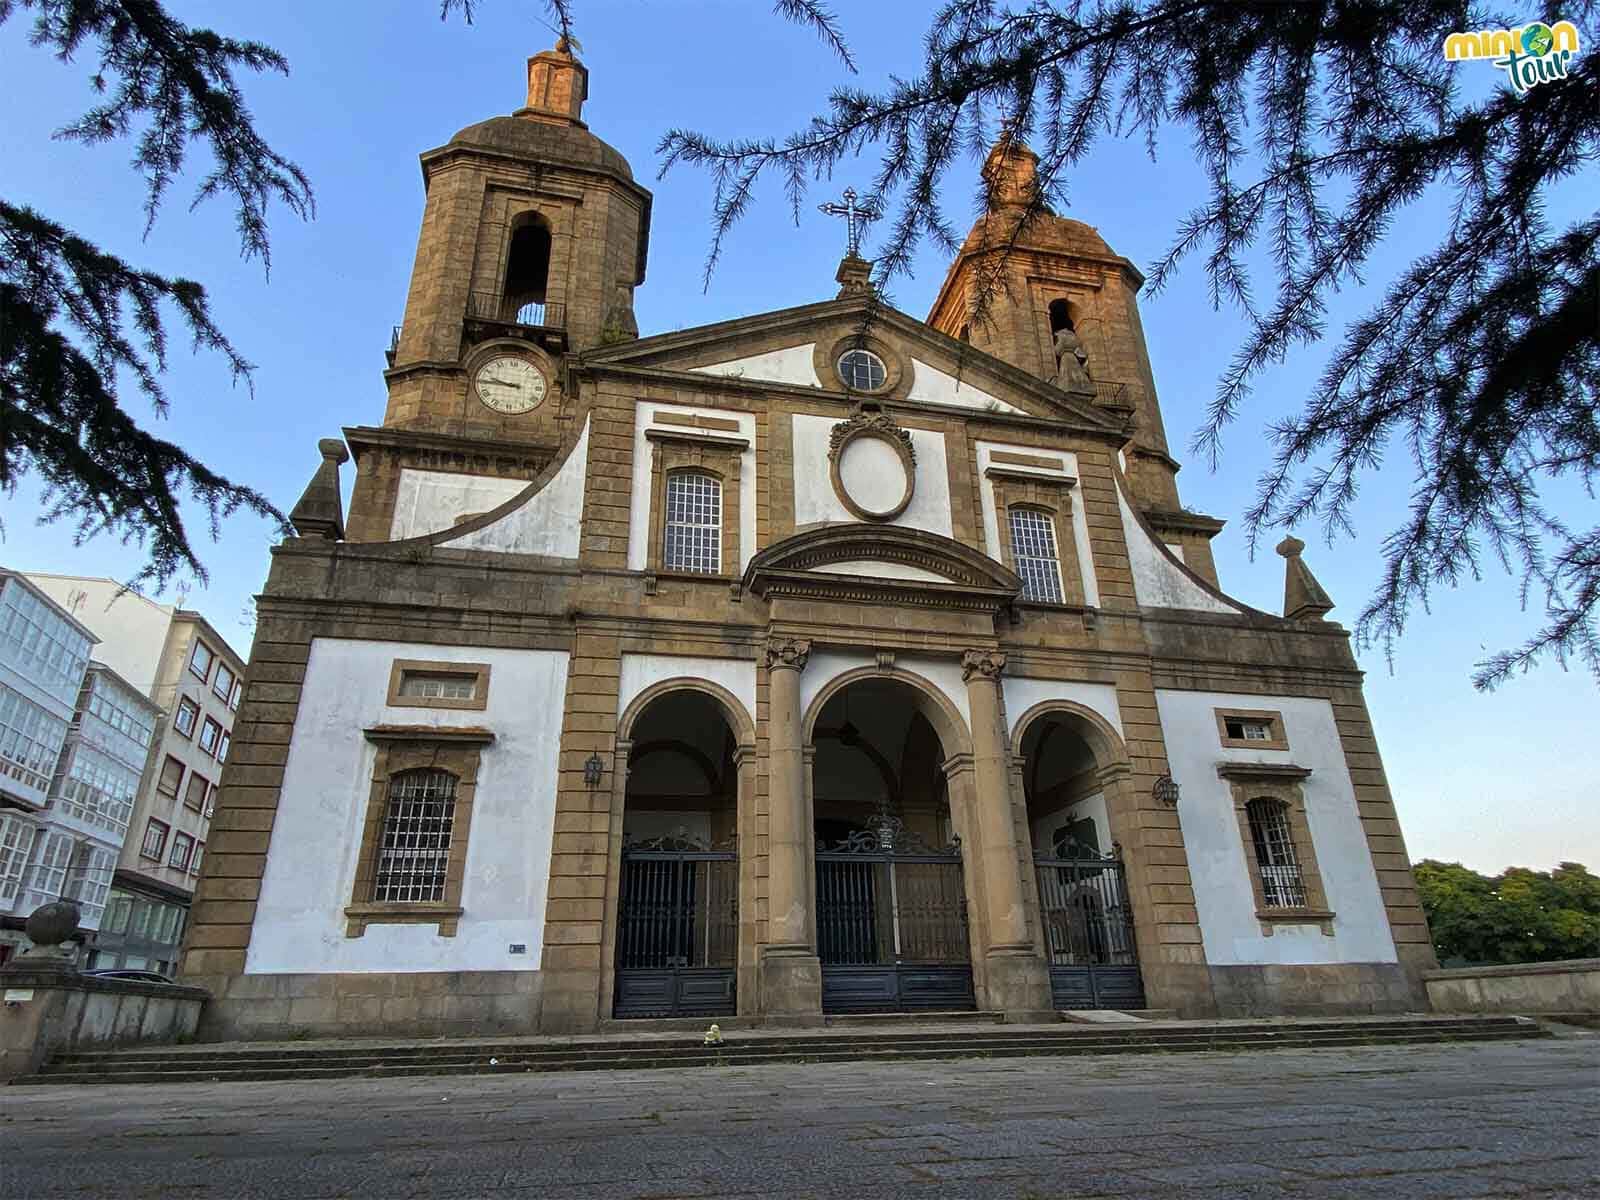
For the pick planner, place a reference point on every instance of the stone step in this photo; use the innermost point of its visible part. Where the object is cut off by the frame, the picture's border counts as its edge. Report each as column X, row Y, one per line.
column 282, row 1063
column 799, row 1039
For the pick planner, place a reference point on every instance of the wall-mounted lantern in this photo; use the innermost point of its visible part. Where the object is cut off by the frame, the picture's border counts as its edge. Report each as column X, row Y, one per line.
column 594, row 766
column 1166, row 790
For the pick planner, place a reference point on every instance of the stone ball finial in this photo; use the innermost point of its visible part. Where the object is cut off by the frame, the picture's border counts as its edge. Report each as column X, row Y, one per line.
column 1291, row 547
column 53, row 923
column 334, row 448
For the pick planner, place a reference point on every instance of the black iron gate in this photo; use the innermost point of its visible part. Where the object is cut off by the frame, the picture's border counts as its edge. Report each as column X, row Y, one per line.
column 1088, row 930
column 892, row 923
column 677, row 929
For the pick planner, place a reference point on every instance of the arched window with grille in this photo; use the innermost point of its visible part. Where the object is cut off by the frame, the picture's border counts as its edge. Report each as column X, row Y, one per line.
column 1033, row 550
column 692, row 538
column 413, row 852
column 1282, row 884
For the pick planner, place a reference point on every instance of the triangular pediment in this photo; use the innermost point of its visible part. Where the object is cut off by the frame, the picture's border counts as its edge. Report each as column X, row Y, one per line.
column 794, row 348
column 884, row 563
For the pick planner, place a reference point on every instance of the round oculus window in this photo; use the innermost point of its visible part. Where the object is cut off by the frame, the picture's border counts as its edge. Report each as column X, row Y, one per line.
column 861, row 370
column 510, row 385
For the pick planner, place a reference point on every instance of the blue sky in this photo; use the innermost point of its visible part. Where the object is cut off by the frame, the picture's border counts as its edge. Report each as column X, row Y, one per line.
column 1489, row 780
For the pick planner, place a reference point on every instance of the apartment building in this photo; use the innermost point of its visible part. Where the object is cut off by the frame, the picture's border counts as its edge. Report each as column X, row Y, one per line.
column 74, row 740
column 176, row 658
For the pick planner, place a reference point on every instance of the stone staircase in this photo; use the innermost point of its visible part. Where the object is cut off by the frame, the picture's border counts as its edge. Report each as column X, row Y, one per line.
column 304, row 1061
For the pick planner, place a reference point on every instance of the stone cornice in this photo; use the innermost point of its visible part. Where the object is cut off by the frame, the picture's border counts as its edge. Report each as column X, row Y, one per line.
column 1256, row 772
column 455, row 734
column 1176, row 521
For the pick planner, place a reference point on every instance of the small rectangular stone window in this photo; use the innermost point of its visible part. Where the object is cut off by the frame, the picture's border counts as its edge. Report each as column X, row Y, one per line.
column 1282, row 885
column 1033, row 550
column 414, row 684
column 414, row 845
column 693, row 537
column 1251, row 729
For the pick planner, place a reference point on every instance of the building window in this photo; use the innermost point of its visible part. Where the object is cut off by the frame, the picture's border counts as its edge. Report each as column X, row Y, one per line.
column 693, row 536
column 416, row 684
column 200, row 660
column 1251, row 729
column 222, row 685
column 171, row 776
column 30, row 739
column 155, row 839
column 136, row 726
column 1281, row 882
column 47, row 879
column 210, row 735
column 1033, row 548
column 194, row 863
column 862, row 370
column 188, row 713
column 16, row 844
column 233, row 698
column 195, row 796
column 414, row 847
column 211, row 800
column 182, row 848
column 222, row 746
column 40, row 643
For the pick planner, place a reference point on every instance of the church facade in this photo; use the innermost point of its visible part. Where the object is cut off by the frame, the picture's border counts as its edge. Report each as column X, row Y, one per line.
column 821, row 661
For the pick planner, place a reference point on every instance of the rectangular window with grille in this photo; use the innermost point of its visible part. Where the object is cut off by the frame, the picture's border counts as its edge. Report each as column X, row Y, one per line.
column 413, row 852
column 1281, row 883
column 693, row 534
column 1033, row 548
column 439, row 685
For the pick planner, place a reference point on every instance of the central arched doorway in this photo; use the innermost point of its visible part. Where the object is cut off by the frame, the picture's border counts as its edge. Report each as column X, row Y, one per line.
column 891, row 905
column 677, row 929
column 1085, row 915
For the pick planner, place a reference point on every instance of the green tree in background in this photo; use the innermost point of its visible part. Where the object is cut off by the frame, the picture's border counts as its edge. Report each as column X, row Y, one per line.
column 1519, row 915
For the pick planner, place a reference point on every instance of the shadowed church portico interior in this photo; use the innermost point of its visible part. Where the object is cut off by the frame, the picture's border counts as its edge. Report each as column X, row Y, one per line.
column 820, row 661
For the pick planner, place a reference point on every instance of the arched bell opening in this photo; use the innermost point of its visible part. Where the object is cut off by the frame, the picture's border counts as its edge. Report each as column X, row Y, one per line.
column 891, row 905
column 527, row 271
column 677, row 923
column 1085, row 914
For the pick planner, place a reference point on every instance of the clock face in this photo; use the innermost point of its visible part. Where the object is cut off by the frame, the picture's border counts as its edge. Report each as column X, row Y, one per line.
column 510, row 385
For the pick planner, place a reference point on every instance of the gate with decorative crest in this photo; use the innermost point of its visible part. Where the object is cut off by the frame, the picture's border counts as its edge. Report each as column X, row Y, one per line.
column 892, row 923
column 677, row 928
column 1088, row 931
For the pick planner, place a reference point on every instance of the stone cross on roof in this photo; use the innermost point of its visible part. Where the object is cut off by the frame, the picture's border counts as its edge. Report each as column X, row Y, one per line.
column 856, row 217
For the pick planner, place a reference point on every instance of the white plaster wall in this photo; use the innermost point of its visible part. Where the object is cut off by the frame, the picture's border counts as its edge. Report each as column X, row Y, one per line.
column 428, row 501
column 1022, row 693
column 1216, row 848
column 1093, row 807
column 934, row 386
column 815, row 500
column 792, row 364
column 316, row 838
column 943, row 674
column 873, row 569
column 641, row 671
column 1175, row 550
column 644, row 460
column 1157, row 581
column 1080, row 520
column 549, row 522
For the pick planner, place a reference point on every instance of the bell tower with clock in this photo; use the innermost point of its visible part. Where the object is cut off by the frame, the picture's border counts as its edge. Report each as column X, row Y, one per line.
column 534, row 235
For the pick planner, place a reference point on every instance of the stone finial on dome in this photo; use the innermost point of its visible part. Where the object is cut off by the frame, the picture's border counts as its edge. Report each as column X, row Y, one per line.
column 1303, row 597
column 558, row 84
column 1012, row 172
column 320, row 512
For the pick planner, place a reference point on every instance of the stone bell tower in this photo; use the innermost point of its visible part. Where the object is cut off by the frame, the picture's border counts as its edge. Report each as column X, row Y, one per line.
column 534, row 235
column 1045, row 283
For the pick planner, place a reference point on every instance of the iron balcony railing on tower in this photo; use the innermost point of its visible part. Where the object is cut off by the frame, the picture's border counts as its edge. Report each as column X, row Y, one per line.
column 544, row 322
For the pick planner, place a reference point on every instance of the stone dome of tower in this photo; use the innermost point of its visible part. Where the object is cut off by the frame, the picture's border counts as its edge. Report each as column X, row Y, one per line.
column 1012, row 171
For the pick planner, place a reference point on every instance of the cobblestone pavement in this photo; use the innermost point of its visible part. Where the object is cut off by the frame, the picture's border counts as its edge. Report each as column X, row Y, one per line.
column 1502, row 1119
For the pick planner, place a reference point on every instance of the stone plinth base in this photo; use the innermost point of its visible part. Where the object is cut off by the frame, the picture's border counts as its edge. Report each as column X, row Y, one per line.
column 51, row 1010
column 791, row 987
column 1270, row 990
column 1017, row 983
column 1566, row 987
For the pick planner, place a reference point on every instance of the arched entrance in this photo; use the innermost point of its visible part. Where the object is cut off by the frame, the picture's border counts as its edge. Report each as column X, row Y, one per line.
column 677, row 927
column 890, row 898
column 1085, row 915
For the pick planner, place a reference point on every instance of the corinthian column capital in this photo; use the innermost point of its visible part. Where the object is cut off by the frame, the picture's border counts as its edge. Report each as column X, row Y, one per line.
column 787, row 654
column 987, row 663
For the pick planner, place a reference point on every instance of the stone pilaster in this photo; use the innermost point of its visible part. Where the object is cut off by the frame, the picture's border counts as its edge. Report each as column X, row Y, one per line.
column 791, row 973
column 1017, row 981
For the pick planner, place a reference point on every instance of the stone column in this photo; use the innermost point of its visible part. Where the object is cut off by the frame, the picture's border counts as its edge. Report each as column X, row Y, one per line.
column 791, row 973
column 1018, row 981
